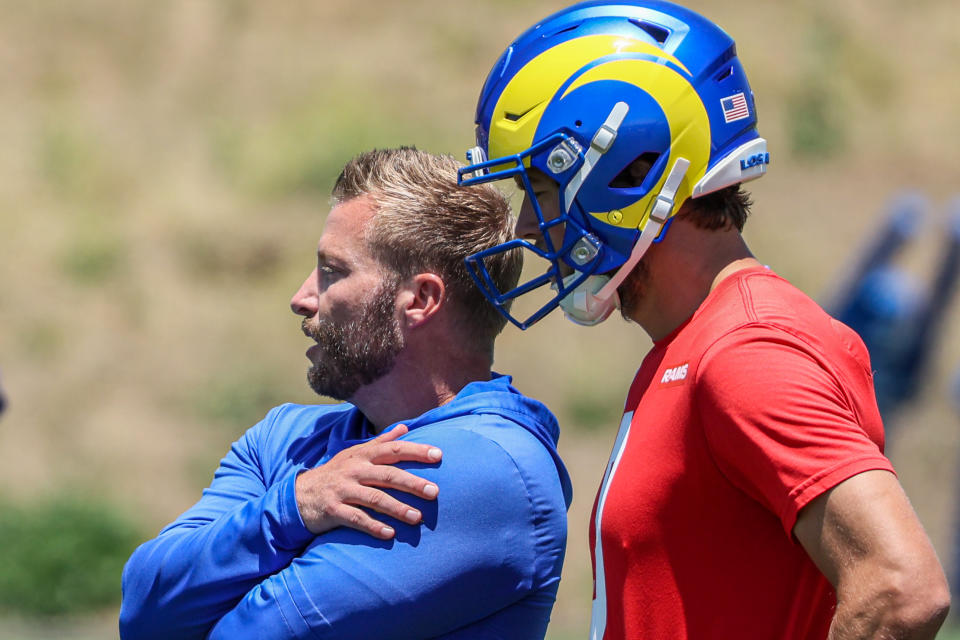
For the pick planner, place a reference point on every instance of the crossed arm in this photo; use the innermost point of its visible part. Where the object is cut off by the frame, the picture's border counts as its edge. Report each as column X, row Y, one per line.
column 865, row 538
column 242, row 564
column 242, row 531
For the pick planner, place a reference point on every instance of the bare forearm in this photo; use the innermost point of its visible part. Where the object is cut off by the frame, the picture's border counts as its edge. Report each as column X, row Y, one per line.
column 890, row 617
column 868, row 542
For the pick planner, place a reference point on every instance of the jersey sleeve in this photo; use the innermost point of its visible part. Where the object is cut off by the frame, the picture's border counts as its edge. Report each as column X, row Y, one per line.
column 472, row 556
column 779, row 422
column 181, row 582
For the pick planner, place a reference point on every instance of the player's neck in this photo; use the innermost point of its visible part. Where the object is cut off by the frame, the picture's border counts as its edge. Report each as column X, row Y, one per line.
column 684, row 269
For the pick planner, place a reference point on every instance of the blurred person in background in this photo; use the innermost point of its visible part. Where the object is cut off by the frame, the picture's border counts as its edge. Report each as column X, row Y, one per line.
column 899, row 318
column 747, row 494
column 325, row 520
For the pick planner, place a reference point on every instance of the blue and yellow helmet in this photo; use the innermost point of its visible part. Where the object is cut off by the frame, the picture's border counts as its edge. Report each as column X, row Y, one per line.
column 580, row 97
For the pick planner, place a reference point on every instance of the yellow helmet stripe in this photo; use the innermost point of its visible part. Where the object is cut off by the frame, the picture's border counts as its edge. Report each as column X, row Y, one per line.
column 526, row 96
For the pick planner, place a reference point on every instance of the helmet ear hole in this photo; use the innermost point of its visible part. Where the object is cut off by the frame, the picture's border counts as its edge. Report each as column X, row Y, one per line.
column 723, row 75
column 635, row 172
column 655, row 31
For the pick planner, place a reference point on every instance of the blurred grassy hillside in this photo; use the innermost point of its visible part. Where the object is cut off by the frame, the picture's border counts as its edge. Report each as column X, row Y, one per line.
column 165, row 176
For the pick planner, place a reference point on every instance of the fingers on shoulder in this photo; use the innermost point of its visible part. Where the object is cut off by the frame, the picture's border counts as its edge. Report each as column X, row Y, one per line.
column 405, row 451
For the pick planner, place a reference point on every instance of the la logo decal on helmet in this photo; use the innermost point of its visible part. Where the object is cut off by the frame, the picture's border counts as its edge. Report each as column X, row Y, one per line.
column 579, row 98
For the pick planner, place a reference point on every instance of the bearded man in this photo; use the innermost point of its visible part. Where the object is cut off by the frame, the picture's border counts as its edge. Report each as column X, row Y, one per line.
column 304, row 531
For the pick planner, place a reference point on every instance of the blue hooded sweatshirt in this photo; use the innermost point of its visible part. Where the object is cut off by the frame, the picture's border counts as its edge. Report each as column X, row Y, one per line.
column 484, row 563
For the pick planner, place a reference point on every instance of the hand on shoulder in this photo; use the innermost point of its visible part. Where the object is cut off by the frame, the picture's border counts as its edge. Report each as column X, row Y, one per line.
column 331, row 495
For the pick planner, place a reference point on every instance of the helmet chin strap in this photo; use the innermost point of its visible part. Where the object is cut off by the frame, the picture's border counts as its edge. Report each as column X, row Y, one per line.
column 595, row 299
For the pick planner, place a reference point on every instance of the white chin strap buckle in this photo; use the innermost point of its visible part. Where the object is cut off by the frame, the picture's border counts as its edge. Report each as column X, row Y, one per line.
column 582, row 306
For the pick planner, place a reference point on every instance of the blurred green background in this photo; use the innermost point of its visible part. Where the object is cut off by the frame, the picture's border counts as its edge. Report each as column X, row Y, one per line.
column 165, row 169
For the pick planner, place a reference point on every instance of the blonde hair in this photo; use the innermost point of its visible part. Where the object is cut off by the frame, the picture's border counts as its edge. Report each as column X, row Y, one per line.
column 425, row 221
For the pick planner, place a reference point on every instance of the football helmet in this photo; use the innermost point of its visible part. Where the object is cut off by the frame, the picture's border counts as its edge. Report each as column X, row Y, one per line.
column 582, row 95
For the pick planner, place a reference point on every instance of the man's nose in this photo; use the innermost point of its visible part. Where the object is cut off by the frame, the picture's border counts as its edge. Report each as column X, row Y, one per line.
column 528, row 227
column 304, row 301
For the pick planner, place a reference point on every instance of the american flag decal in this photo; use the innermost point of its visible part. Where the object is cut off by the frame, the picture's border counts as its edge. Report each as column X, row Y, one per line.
column 735, row 107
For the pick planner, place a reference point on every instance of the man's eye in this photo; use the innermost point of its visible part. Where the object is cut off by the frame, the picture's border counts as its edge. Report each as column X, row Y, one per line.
column 327, row 275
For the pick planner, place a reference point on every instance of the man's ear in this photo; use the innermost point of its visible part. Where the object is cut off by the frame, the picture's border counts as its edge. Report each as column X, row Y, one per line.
column 421, row 297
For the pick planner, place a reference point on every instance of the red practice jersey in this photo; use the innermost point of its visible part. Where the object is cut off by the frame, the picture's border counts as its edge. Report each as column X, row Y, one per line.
column 756, row 405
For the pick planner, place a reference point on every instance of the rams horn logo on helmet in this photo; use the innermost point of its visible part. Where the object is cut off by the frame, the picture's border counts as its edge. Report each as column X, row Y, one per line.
column 580, row 98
